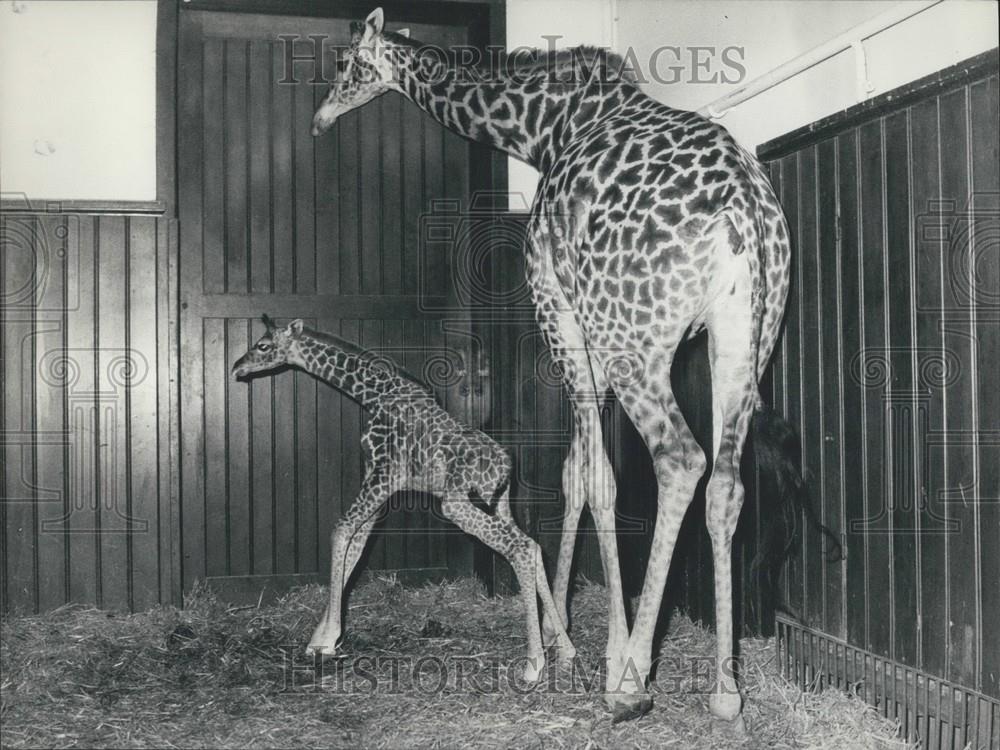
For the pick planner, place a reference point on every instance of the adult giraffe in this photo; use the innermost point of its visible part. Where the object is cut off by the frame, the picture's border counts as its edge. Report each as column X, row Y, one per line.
column 650, row 224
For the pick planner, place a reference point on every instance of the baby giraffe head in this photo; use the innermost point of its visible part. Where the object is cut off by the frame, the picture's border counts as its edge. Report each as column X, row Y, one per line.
column 272, row 350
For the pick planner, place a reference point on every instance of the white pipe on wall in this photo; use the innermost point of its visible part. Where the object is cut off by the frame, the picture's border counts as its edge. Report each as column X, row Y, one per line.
column 828, row 49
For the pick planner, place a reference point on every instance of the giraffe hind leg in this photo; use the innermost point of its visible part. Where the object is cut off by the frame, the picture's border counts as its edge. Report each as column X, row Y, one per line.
column 525, row 557
column 734, row 399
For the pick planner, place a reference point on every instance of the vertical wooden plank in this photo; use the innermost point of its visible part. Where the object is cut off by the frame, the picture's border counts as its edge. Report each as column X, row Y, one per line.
column 239, row 513
column 195, row 169
column 812, row 378
column 984, row 104
column 875, row 523
column 370, row 198
column 327, row 186
column 349, row 201
column 263, row 483
column 960, row 456
column 456, row 188
column 305, row 471
column 794, row 570
column 236, row 75
column 304, row 201
column 144, row 472
column 50, row 414
column 84, row 574
column 850, row 333
column 925, row 194
column 7, row 451
column 901, row 437
column 394, row 197
column 212, row 210
column 113, row 360
column 831, row 389
column 167, row 427
column 214, row 464
column 282, row 178
column 413, row 199
column 258, row 151
column 20, row 531
column 434, row 266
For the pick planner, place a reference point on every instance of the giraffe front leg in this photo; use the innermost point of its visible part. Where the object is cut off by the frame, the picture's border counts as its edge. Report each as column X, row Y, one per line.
column 347, row 543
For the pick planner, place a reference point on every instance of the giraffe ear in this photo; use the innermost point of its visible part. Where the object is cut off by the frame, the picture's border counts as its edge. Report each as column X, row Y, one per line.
column 295, row 327
column 374, row 23
column 267, row 322
column 403, row 32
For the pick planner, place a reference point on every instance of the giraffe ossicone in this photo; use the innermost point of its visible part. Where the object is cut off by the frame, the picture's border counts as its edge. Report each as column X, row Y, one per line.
column 650, row 224
column 410, row 443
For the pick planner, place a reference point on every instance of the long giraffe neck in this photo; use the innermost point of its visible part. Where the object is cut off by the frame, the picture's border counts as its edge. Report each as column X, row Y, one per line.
column 363, row 376
column 529, row 112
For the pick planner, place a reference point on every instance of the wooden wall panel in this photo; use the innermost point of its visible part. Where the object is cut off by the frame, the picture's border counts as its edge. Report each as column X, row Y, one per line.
column 86, row 494
column 894, row 209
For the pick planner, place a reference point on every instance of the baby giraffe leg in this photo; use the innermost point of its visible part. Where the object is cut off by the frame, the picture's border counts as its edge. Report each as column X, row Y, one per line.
column 524, row 556
column 348, row 541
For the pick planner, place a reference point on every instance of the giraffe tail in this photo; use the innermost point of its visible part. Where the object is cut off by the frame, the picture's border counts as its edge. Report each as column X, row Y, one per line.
column 784, row 500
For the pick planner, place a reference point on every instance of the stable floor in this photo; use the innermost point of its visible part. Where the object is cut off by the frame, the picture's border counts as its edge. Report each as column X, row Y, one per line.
column 422, row 667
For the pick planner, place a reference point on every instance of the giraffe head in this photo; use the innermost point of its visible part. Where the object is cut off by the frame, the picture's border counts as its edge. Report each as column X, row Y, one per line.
column 364, row 72
column 272, row 350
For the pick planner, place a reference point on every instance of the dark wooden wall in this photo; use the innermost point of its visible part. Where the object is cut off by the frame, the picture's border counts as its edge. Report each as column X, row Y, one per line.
column 327, row 229
column 86, row 511
column 888, row 369
column 132, row 463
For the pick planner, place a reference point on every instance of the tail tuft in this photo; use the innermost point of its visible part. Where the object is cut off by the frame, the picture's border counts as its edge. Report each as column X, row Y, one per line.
column 784, row 499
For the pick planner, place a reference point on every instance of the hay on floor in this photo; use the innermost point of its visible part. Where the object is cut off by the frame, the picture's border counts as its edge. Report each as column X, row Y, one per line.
column 421, row 667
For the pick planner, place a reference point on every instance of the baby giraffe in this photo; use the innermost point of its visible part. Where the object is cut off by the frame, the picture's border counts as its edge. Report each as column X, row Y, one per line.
column 410, row 443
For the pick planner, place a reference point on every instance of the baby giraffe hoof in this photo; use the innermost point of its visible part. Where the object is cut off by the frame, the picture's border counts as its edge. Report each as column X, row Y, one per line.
column 324, row 650
column 550, row 635
column 533, row 666
column 322, row 646
column 627, row 706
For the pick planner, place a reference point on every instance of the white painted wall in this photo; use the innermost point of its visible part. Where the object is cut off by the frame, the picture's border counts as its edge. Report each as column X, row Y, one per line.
column 78, row 99
column 77, row 77
column 772, row 32
column 769, row 32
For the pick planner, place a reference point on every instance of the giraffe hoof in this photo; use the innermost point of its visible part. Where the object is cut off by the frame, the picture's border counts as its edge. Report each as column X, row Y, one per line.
column 627, row 707
column 550, row 635
column 735, row 729
column 533, row 666
column 565, row 654
column 326, row 649
column 725, row 706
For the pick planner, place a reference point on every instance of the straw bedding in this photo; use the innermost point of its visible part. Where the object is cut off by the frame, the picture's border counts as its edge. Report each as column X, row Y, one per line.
column 212, row 675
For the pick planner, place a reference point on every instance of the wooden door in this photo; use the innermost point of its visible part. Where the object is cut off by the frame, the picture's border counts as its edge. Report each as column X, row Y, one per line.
column 274, row 221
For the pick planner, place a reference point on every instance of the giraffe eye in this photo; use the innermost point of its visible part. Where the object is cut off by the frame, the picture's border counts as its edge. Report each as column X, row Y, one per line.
column 263, row 347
